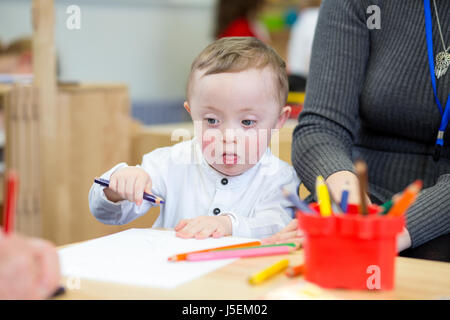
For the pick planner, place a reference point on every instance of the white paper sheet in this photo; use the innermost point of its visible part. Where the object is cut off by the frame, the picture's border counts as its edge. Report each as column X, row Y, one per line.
column 139, row 257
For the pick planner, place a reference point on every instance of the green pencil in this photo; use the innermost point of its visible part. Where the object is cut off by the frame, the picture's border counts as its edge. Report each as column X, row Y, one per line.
column 388, row 204
column 386, row 207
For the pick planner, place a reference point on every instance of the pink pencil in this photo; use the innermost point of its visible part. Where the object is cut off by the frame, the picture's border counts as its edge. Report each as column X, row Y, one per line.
column 240, row 253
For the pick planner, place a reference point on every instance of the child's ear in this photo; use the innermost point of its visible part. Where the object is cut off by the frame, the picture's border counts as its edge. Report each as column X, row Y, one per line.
column 186, row 106
column 284, row 115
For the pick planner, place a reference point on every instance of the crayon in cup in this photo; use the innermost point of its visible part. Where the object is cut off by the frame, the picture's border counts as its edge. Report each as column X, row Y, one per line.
column 344, row 199
column 323, row 197
column 361, row 172
column 406, row 200
column 299, row 204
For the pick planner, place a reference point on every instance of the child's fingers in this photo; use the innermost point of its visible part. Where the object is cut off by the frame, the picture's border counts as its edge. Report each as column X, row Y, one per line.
column 148, row 187
column 191, row 228
column 121, row 183
column 293, row 225
column 139, row 187
column 184, row 234
column 269, row 240
column 186, row 231
column 298, row 242
column 204, row 233
column 181, row 224
column 129, row 188
column 266, row 241
column 113, row 183
column 217, row 234
column 287, row 237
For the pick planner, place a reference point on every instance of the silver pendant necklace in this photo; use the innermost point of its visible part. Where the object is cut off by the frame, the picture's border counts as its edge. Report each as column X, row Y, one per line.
column 442, row 58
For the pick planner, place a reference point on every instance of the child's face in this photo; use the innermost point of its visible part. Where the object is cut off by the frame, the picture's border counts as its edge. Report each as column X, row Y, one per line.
column 13, row 63
column 234, row 114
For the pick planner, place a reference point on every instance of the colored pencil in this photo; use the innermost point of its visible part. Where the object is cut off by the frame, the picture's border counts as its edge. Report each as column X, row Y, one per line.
column 9, row 209
column 148, row 197
column 243, row 253
column 299, row 204
column 361, row 172
column 58, row 292
column 182, row 256
column 406, row 200
column 290, row 244
column 385, row 207
column 268, row 272
column 323, row 197
column 295, row 270
column 344, row 200
column 388, row 204
column 335, row 207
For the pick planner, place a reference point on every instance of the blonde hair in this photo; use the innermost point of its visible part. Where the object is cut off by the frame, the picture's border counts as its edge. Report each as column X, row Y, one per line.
column 236, row 54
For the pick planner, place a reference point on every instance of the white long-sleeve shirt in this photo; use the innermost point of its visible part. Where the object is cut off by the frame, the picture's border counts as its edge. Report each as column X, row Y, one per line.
column 191, row 188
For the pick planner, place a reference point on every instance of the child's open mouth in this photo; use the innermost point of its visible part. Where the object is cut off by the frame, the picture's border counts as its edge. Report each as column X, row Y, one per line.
column 230, row 158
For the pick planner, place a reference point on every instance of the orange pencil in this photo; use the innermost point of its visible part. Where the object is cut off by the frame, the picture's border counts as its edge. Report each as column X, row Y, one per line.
column 182, row 256
column 407, row 199
column 295, row 270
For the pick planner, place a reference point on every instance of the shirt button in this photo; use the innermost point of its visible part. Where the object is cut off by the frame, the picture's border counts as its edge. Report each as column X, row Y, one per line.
column 216, row 211
column 224, row 181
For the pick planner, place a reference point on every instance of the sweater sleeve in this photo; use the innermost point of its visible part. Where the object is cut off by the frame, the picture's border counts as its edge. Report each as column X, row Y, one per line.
column 323, row 138
column 429, row 216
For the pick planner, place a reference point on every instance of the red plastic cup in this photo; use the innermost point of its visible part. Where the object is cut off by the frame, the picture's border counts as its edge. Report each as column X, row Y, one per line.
column 350, row 250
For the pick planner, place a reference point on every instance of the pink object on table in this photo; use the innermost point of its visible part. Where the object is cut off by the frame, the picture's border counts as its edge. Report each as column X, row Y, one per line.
column 239, row 253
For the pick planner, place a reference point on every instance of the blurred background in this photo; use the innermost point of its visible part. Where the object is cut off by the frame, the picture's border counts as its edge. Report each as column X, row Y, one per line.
column 128, row 58
column 146, row 44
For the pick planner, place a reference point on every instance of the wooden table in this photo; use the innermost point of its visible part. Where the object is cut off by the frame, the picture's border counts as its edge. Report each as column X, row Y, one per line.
column 415, row 279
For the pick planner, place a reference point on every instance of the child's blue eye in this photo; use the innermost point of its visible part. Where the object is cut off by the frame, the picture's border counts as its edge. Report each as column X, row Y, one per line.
column 211, row 121
column 248, row 122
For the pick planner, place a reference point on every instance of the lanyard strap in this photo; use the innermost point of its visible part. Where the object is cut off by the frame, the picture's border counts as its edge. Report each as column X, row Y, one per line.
column 445, row 114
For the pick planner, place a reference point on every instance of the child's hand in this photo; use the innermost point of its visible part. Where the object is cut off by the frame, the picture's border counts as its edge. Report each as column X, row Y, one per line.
column 128, row 183
column 290, row 233
column 204, row 227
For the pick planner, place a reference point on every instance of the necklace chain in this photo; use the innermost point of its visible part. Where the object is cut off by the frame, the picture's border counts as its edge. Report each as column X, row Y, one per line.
column 439, row 27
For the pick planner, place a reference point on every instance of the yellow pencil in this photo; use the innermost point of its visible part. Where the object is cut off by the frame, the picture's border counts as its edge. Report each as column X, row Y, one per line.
column 323, row 197
column 266, row 273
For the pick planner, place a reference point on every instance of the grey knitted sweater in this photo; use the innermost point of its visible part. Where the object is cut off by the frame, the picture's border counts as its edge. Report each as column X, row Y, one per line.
column 369, row 96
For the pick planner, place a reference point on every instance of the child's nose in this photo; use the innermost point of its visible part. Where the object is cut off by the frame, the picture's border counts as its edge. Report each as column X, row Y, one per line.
column 229, row 136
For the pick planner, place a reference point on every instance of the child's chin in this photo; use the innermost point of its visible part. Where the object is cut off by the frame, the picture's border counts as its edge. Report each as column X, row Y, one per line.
column 231, row 170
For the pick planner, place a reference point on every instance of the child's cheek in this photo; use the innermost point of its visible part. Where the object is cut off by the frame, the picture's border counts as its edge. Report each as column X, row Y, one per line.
column 212, row 149
column 256, row 146
column 208, row 147
column 206, row 141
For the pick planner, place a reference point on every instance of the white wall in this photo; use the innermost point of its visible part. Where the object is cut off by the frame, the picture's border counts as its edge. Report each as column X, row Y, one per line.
column 148, row 44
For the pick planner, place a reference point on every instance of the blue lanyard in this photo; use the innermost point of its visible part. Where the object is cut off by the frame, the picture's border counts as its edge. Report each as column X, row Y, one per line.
column 445, row 114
